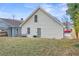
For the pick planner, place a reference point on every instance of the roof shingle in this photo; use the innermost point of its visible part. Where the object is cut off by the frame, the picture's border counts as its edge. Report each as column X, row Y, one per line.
column 12, row 22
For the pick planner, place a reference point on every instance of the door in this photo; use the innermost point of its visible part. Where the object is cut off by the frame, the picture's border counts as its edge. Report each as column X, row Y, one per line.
column 39, row 32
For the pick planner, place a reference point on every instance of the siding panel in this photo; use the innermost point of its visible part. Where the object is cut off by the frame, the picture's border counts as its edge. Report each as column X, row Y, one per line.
column 49, row 28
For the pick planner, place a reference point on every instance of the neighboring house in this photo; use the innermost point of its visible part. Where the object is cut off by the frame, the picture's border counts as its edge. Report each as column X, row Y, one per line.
column 10, row 27
column 41, row 24
column 68, row 30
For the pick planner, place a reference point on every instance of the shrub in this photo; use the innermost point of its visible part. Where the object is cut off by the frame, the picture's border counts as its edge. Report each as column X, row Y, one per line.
column 76, row 45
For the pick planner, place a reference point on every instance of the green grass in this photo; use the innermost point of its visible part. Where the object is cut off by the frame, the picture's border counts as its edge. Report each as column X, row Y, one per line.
column 21, row 46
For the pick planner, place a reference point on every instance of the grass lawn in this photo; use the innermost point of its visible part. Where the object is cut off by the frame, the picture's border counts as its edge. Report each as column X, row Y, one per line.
column 21, row 46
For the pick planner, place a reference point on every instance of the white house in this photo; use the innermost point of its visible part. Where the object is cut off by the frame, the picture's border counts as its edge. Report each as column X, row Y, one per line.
column 41, row 24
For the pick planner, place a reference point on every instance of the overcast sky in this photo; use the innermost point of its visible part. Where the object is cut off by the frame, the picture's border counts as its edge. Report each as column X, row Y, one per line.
column 23, row 10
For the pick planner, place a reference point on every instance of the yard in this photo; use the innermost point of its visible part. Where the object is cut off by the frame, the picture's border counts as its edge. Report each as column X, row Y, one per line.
column 21, row 46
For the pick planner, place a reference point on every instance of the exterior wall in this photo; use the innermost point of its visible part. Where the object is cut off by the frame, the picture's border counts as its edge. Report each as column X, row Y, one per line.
column 49, row 27
column 17, row 31
column 13, row 32
column 9, row 32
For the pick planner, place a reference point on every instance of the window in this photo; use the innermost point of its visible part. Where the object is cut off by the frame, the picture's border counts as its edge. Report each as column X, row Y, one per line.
column 39, row 32
column 35, row 18
column 17, row 30
column 28, row 30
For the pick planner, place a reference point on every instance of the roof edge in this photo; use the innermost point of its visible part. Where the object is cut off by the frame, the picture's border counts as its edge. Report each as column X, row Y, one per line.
column 44, row 12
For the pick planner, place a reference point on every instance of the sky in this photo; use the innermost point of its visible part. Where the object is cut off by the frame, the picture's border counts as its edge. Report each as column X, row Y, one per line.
column 23, row 10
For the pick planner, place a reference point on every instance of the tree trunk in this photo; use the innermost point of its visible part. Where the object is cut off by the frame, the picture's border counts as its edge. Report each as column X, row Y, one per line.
column 76, row 35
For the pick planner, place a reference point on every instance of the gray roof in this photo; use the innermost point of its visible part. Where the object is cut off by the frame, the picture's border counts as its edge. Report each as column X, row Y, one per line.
column 12, row 22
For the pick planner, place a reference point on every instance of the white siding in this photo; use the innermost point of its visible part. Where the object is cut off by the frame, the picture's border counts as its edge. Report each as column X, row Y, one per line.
column 49, row 28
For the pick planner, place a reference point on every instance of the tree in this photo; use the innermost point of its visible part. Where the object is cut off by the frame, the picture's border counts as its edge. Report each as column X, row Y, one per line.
column 73, row 11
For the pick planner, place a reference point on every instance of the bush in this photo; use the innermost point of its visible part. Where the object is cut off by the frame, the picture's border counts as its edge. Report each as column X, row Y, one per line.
column 76, row 45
